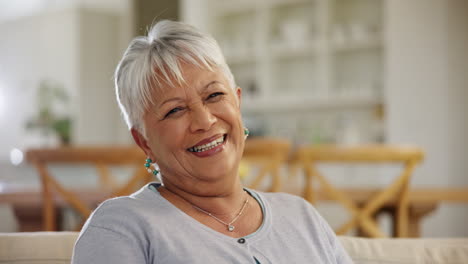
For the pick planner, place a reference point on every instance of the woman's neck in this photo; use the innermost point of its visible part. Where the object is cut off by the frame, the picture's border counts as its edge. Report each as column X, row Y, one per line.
column 218, row 211
column 218, row 202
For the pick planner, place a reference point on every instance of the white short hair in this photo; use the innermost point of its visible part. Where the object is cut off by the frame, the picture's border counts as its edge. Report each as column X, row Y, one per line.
column 152, row 60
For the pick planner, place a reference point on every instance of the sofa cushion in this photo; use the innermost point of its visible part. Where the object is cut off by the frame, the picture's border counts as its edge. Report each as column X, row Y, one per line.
column 57, row 248
column 37, row 247
column 406, row 251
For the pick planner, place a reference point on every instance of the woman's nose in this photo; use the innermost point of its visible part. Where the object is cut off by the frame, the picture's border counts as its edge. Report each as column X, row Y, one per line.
column 202, row 119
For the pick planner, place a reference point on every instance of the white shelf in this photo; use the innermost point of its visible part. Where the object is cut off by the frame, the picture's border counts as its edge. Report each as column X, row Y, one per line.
column 284, row 52
column 229, row 7
column 351, row 46
column 291, row 106
column 307, row 49
column 281, row 3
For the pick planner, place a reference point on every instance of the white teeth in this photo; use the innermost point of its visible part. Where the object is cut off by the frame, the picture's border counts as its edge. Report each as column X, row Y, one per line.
column 207, row 146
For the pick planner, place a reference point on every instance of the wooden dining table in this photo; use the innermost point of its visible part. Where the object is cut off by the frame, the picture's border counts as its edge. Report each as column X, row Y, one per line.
column 27, row 203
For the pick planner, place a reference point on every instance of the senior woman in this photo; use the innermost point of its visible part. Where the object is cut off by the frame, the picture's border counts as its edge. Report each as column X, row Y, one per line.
column 182, row 106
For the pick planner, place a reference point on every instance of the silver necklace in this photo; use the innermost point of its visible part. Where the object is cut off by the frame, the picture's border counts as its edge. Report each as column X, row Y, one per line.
column 230, row 226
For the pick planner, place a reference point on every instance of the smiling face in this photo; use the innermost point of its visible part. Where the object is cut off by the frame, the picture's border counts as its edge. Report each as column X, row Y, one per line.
column 194, row 132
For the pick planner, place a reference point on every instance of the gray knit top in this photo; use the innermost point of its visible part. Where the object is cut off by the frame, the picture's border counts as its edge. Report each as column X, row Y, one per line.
column 145, row 228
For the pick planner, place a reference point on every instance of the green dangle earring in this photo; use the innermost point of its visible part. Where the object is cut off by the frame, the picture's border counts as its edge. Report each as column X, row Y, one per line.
column 148, row 167
column 246, row 132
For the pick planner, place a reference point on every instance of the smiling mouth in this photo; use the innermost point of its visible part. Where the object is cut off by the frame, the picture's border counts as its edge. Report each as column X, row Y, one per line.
column 208, row 146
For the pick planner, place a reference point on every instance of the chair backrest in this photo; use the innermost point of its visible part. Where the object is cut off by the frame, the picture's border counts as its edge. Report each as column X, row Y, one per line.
column 267, row 155
column 101, row 158
column 397, row 191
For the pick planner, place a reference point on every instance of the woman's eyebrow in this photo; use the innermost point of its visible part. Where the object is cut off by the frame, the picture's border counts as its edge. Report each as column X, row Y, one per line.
column 170, row 100
column 181, row 99
column 209, row 84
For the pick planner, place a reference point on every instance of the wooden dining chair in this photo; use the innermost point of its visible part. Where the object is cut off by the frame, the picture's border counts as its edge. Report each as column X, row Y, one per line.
column 362, row 214
column 265, row 156
column 102, row 158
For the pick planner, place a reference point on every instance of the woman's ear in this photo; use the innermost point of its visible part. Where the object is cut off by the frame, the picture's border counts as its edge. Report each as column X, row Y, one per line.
column 239, row 96
column 141, row 141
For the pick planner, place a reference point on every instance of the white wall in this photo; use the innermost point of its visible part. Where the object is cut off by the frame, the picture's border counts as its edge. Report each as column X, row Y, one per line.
column 76, row 46
column 426, row 94
column 98, row 116
column 458, row 81
column 31, row 49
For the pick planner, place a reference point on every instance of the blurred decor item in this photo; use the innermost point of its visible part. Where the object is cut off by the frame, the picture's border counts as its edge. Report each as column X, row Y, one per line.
column 53, row 115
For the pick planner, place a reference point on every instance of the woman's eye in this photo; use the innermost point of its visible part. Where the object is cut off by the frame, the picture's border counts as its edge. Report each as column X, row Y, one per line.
column 215, row 96
column 173, row 111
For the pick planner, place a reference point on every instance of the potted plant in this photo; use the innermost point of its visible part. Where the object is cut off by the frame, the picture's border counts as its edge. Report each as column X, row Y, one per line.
column 53, row 113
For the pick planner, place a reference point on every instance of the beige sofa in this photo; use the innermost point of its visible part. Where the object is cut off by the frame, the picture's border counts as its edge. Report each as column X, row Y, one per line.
column 56, row 248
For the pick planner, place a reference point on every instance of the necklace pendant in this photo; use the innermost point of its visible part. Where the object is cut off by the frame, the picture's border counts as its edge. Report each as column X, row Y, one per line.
column 231, row 228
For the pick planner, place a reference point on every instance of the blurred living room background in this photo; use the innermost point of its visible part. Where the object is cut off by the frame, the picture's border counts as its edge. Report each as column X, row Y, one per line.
column 343, row 72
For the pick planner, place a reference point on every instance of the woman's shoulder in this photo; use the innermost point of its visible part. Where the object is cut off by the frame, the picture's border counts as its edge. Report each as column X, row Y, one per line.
column 122, row 210
column 280, row 197
column 117, row 223
column 140, row 198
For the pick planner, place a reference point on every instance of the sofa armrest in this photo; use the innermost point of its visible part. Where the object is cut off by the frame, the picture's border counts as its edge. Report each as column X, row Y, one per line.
column 37, row 247
column 406, row 251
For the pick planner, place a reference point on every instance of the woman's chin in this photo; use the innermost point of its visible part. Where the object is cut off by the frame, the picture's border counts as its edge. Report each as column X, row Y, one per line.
column 216, row 171
column 215, row 164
